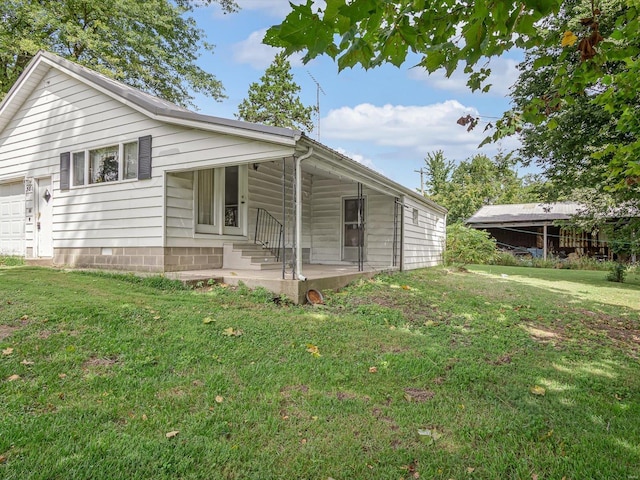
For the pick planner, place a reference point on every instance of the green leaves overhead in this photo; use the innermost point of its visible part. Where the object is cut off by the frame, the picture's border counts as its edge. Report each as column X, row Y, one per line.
column 151, row 45
column 372, row 32
column 598, row 67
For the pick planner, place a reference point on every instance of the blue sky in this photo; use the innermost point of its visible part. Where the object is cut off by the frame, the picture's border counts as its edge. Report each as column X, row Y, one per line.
column 387, row 118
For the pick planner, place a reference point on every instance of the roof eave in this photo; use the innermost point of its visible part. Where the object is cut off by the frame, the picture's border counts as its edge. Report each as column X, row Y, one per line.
column 369, row 175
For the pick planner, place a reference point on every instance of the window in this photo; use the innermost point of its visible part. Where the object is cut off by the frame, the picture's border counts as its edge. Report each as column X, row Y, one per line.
column 78, row 168
column 104, row 165
column 113, row 163
column 130, row 161
column 206, row 198
column 415, row 216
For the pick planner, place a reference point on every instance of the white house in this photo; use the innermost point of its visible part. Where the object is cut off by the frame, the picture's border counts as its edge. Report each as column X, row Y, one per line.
column 94, row 173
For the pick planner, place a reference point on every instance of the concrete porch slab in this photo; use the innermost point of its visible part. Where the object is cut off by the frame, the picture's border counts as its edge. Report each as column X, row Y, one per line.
column 318, row 277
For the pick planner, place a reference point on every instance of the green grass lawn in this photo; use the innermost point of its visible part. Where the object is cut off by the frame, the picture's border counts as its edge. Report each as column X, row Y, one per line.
column 496, row 373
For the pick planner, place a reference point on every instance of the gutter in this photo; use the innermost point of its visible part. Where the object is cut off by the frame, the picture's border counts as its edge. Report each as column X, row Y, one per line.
column 298, row 202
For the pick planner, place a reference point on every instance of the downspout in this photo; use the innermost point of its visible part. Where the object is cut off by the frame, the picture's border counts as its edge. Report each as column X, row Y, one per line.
column 444, row 237
column 402, row 234
column 298, row 204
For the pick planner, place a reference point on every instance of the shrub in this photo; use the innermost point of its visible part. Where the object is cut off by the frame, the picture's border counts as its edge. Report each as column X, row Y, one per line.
column 617, row 273
column 467, row 245
column 506, row 259
column 11, row 261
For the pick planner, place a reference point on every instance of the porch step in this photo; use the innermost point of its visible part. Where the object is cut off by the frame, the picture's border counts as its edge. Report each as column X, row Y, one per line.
column 248, row 256
column 39, row 262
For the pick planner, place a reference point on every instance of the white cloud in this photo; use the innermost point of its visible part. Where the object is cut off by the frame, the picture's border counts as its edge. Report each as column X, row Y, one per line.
column 255, row 53
column 278, row 8
column 275, row 8
column 409, row 131
column 504, row 73
column 252, row 51
column 367, row 162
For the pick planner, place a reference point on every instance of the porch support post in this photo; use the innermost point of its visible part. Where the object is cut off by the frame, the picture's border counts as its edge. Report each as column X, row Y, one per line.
column 298, row 204
column 284, row 217
column 544, row 239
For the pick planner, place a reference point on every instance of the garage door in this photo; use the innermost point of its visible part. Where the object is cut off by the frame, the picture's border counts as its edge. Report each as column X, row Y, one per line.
column 12, row 219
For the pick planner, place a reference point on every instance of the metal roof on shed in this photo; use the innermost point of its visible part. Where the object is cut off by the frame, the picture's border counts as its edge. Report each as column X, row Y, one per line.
column 525, row 213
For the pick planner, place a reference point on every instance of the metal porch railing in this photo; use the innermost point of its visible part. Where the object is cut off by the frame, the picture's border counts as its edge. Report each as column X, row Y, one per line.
column 269, row 232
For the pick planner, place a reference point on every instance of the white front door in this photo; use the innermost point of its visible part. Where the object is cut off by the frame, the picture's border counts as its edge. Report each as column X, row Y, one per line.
column 44, row 217
column 221, row 195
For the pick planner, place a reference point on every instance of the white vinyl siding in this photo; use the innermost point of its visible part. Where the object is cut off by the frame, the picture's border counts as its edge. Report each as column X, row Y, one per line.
column 424, row 240
column 63, row 114
column 265, row 191
column 328, row 195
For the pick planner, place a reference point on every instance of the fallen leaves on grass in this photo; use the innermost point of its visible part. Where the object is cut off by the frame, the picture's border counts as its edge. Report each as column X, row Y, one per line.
column 219, row 399
column 373, row 369
column 313, row 350
column 13, row 378
column 412, row 468
column 26, row 362
column 208, row 320
column 429, row 435
column 172, row 433
column 7, row 351
column 538, row 390
column 231, row 332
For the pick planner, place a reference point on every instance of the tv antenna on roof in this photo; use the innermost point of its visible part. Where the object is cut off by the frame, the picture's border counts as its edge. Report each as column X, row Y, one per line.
column 318, row 90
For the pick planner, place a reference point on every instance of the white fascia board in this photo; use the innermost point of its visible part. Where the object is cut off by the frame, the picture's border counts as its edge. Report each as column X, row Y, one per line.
column 226, row 130
column 13, row 100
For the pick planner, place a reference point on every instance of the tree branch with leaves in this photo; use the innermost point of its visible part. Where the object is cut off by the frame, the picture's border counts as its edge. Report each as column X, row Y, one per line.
column 151, row 45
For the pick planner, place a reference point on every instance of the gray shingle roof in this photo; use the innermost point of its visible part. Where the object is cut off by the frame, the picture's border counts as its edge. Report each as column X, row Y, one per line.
column 145, row 101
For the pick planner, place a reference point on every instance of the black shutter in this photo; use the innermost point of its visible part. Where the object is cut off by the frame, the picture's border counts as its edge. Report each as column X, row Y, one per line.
column 65, row 170
column 144, row 157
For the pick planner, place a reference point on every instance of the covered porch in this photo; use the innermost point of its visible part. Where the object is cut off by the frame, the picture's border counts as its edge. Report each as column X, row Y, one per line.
column 273, row 217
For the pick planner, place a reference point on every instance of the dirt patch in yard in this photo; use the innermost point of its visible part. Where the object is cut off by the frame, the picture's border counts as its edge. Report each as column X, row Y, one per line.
column 6, row 331
column 418, row 395
column 623, row 332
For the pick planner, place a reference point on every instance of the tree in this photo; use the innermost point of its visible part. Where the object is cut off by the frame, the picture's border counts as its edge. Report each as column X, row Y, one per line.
column 274, row 101
column 475, row 182
column 438, row 170
column 151, row 45
column 573, row 128
column 452, row 32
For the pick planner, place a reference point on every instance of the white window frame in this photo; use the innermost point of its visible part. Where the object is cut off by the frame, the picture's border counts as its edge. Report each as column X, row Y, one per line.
column 87, row 164
column 218, row 228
